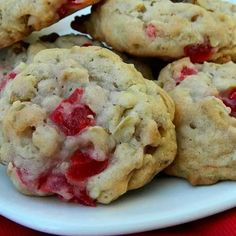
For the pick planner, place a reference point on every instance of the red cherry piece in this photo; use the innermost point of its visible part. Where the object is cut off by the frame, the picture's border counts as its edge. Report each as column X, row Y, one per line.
column 185, row 72
column 84, row 199
column 151, row 31
column 75, row 96
column 229, row 99
column 11, row 75
column 53, row 183
column 71, row 116
column 83, row 166
column 56, row 183
column 22, row 173
column 26, row 178
column 199, row 52
column 8, row 77
column 87, row 44
column 69, row 7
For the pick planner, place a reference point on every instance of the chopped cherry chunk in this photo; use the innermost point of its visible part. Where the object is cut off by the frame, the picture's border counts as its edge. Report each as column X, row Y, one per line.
column 185, row 72
column 22, row 174
column 54, row 183
column 229, row 99
column 88, row 44
column 83, row 198
column 9, row 76
column 58, row 184
column 71, row 116
column 26, row 178
column 151, row 31
column 199, row 52
column 75, row 96
column 83, row 166
column 69, row 7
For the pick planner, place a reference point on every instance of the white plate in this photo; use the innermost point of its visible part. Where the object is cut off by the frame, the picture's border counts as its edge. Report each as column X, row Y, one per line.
column 164, row 202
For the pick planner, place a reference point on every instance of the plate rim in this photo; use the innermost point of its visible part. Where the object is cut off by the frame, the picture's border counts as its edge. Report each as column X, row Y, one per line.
column 140, row 224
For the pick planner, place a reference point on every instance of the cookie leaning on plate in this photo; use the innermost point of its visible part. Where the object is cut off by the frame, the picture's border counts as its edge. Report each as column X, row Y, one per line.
column 205, row 119
column 20, row 18
column 203, row 30
column 82, row 124
column 19, row 52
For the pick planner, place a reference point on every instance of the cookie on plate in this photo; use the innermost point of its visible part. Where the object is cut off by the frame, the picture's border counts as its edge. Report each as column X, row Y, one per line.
column 205, row 99
column 19, row 52
column 202, row 30
column 19, row 18
column 22, row 51
column 82, row 124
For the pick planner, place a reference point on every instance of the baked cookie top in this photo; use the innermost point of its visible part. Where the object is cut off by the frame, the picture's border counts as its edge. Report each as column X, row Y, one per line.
column 20, row 18
column 19, row 52
column 83, row 124
column 202, row 30
column 205, row 99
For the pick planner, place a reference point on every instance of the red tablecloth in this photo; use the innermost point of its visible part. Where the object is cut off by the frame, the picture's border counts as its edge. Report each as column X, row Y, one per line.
column 223, row 224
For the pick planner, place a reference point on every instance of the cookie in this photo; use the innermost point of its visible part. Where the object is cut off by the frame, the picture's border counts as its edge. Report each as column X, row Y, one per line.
column 24, row 52
column 205, row 99
column 20, row 18
column 82, row 124
column 203, row 30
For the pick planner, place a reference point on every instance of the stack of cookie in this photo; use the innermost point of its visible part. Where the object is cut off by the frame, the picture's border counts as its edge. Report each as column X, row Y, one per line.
column 89, row 123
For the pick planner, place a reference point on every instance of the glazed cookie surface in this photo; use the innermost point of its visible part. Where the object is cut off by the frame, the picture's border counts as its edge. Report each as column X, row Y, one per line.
column 82, row 124
column 20, row 18
column 12, row 56
column 202, row 30
column 205, row 99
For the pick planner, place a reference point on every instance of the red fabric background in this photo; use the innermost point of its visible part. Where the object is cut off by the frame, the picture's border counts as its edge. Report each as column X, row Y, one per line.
column 223, row 224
